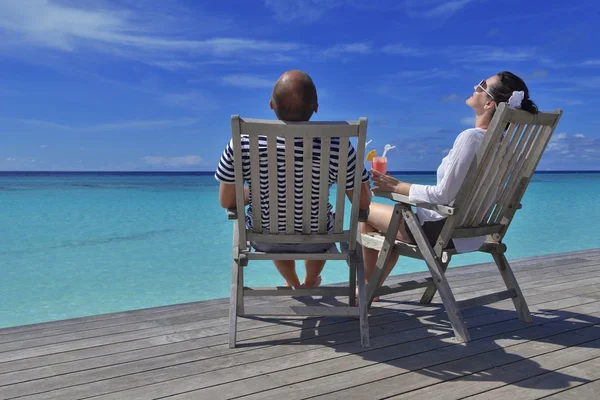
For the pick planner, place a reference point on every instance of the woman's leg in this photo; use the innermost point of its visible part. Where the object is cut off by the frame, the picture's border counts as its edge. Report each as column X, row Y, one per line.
column 378, row 221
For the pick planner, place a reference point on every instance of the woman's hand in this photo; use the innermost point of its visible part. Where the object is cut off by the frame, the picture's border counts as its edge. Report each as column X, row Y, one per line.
column 387, row 183
column 384, row 183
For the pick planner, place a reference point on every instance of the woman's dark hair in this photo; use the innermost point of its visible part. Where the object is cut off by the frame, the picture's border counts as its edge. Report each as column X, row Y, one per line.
column 506, row 85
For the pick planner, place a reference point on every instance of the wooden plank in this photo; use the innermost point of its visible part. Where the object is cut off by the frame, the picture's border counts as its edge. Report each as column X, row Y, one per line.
column 142, row 315
column 309, row 130
column 93, row 364
column 212, row 363
column 256, row 185
column 324, row 184
column 488, row 185
column 358, row 170
column 290, row 177
column 99, row 327
column 553, row 289
column 464, row 376
column 307, row 186
column 524, row 368
column 273, row 184
column 550, row 382
column 510, row 179
column 400, row 198
column 239, row 176
column 304, row 238
column 330, row 376
column 296, row 256
column 173, row 383
column 587, row 390
column 319, row 291
column 308, row 311
column 486, row 299
column 570, row 274
column 514, row 151
column 341, row 185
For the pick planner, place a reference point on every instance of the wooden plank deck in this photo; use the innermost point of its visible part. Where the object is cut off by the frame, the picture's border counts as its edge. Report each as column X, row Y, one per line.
column 180, row 351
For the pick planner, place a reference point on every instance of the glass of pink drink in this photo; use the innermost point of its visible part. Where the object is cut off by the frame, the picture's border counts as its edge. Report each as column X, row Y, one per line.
column 379, row 164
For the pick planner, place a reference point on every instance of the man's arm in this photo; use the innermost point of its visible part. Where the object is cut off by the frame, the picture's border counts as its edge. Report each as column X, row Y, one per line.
column 227, row 195
column 365, row 195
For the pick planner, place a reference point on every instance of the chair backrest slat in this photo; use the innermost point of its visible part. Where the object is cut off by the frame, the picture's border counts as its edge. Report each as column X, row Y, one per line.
column 324, row 184
column 487, row 192
column 290, row 173
column 286, row 175
column 256, row 185
column 341, row 186
column 360, row 156
column 307, row 189
column 273, row 184
column 239, row 176
column 517, row 144
column 515, row 164
column 502, row 169
column 530, row 160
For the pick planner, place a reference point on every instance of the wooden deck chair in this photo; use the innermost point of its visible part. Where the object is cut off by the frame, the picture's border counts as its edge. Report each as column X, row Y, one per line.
column 485, row 205
column 270, row 162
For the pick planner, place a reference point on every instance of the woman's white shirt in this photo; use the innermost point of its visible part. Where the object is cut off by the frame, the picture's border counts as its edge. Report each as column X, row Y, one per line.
column 450, row 175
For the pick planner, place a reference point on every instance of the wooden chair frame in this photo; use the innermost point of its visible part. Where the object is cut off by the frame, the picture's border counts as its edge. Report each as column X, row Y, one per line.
column 485, row 205
column 307, row 132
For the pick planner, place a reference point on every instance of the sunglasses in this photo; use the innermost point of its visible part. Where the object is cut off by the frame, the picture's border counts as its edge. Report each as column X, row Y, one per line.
column 482, row 87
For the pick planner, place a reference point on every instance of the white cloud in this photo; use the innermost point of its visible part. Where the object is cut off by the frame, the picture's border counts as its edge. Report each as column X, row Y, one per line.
column 248, row 81
column 422, row 74
column 349, row 48
column 574, row 146
column 178, row 161
column 435, row 8
column 475, row 54
column 591, row 63
column 129, row 33
column 403, row 50
column 42, row 146
column 451, row 98
column 468, row 121
column 301, row 10
column 115, row 126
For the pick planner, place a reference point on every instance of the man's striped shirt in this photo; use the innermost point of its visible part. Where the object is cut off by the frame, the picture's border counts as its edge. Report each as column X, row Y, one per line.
column 225, row 173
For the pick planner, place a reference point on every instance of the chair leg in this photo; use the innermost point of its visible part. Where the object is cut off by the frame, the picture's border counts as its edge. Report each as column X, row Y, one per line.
column 435, row 268
column 511, row 283
column 362, row 300
column 352, row 279
column 234, row 301
column 385, row 253
column 432, row 289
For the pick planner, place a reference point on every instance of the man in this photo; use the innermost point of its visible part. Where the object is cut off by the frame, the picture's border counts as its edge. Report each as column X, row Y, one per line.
column 294, row 98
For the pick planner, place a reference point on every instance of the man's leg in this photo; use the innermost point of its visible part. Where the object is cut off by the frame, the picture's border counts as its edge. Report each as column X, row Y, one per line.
column 313, row 272
column 287, row 269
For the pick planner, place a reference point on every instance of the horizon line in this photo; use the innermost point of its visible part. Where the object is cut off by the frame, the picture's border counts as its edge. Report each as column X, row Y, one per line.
column 212, row 171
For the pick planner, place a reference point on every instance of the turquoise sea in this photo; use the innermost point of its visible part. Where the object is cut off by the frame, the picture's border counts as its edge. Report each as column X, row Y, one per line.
column 77, row 244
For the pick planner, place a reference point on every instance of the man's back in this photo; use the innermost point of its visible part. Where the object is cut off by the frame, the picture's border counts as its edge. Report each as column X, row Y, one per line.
column 225, row 174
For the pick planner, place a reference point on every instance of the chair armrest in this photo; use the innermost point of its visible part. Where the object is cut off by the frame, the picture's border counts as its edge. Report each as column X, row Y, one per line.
column 400, row 198
column 232, row 213
column 363, row 215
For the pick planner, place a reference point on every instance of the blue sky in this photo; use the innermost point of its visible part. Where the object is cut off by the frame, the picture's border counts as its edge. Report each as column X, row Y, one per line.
column 151, row 84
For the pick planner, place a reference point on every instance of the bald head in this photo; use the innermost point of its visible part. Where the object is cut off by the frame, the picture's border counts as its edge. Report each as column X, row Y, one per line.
column 294, row 96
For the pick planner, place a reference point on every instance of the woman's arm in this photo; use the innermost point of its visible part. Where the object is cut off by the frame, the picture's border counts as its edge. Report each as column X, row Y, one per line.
column 387, row 183
column 458, row 162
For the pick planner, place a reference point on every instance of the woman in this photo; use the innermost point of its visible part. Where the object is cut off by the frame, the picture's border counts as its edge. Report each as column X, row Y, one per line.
column 502, row 87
